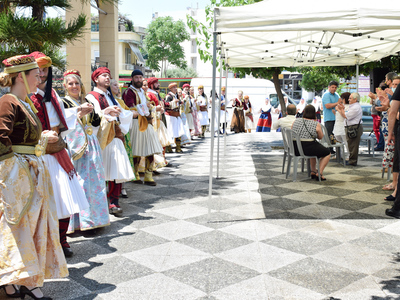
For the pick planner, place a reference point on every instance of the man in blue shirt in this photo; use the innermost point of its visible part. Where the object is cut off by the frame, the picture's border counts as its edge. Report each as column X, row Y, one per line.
column 329, row 102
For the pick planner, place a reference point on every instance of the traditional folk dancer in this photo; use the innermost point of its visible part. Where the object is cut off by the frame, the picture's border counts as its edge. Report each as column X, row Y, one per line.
column 188, row 108
column 237, row 123
column 185, row 139
column 202, row 101
column 68, row 190
column 248, row 115
column 158, row 124
column 114, row 87
column 115, row 123
column 265, row 121
column 144, row 138
column 195, row 113
column 86, row 157
column 172, row 114
column 30, row 250
column 225, row 117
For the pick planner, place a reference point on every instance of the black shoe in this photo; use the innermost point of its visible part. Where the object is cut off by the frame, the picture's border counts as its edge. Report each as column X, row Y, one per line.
column 67, row 253
column 156, row 172
column 24, row 291
column 390, row 198
column 378, row 149
column 392, row 213
column 137, row 181
column 16, row 294
column 349, row 164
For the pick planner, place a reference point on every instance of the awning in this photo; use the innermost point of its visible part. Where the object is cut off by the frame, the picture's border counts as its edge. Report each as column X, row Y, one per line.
column 136, row 50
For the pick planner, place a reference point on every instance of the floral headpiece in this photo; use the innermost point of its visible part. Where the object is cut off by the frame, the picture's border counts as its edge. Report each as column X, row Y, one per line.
column 72, row 71
column 19, row 63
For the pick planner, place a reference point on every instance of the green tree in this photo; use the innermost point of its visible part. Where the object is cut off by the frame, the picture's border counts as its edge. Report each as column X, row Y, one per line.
column 162, row 44
column 181, row 73
column 21, row 34
column 316, row 81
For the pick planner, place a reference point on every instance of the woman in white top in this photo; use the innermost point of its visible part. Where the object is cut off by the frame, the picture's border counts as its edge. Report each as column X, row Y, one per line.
column 300, row 108
column 338, row 129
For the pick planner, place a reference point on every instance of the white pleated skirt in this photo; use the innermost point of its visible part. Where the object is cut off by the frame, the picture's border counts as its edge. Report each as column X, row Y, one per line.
column 144, row 143
column 189, row 120
column 116, row 162
column 68, row 193
column 175, row 126
column 203, row 117
column 163, row 135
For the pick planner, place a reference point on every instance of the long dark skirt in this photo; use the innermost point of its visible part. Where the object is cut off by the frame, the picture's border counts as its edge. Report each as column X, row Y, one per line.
column 237, row 123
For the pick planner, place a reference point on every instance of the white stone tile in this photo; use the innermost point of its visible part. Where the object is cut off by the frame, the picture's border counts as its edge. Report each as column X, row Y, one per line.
column 376, row 210
column 366, row 196
column 166, row 256
column 255, row 230
column 393, row 228
column 310, row 197
column 300, row 186
column 361, row 289
column 176, row 230
column 184, row 211
column 260, row 257
column 335, row 230
column 342, row 177
column 247, row 211
column 356, row 258
column 155, row 286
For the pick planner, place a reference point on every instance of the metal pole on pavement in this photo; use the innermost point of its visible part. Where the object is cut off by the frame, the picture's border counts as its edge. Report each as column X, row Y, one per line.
column 219, row 107
column 226, row 104
column 214, row 75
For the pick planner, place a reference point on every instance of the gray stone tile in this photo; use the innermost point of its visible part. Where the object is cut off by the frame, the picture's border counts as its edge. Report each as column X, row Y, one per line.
column 283, row 203
column 214, row 242
column 109, row 272
column 360, row 216
column 380, row 241
column 334, row 191
column 301, row 242
column 149, row 218
column 211, row 274
column 316, row 275
column 348, row 204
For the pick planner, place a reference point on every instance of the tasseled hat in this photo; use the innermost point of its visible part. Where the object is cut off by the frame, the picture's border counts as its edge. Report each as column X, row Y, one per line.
column 42, row 59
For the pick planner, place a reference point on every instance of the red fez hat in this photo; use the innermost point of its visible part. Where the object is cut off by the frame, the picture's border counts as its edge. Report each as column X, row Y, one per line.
column 152, row 80
column 186, row 85
column 100, row 71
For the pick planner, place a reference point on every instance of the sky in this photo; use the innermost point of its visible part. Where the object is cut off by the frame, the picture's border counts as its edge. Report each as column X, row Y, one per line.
column 142, row 13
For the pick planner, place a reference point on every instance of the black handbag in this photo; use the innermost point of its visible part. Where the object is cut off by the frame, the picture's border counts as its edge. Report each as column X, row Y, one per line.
column 352, row 131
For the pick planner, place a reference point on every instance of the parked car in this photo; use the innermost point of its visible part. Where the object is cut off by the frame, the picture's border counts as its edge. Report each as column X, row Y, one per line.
column 367, row 121
column 273, row 98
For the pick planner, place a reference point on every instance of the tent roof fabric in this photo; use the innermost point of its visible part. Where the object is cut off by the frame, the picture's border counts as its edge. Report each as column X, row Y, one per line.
column 273, row 33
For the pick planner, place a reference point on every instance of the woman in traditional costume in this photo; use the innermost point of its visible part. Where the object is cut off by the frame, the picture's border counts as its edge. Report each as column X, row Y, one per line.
column 68, row 189
column 195, row 113
column 265, row 121
column 300, row 108
column 248, row 115
column 185, row 139
column 86, row 155
column 30, row 249
column 202, row 101
column 237, row 123
column 187, row 108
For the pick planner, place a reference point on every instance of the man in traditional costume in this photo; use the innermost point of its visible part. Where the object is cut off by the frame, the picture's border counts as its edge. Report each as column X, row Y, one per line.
column 202, row 102
column 188, row 107
column 144, row 138
column 30, row 251
column 173, row 116
column 154, row 96
column 115, row 123
column 68, row 191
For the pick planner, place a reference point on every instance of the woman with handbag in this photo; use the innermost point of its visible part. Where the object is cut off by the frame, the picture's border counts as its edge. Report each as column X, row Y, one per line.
column 354, row 128
column 309, row 130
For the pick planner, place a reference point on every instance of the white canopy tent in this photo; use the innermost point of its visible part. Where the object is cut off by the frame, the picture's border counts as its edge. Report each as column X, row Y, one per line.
column 275, row 33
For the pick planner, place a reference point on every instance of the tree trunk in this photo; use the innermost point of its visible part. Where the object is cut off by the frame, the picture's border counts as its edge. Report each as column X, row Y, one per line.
column 275, row 79
column 38, row 12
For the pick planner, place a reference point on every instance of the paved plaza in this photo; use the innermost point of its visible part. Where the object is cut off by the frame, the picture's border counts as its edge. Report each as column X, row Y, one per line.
column 260, row 237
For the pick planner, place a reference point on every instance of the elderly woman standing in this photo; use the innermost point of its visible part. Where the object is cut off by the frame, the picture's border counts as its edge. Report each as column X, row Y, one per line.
column 309, row 130
column 354, row 129
column 30, row 249
column 237, row 123
column 248, row 115
column 86, row 156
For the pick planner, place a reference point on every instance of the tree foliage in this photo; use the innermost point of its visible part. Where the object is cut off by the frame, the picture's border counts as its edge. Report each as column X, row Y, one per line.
column 162, row 44
column 21, row 34
column 315, row 81
column 181, row 73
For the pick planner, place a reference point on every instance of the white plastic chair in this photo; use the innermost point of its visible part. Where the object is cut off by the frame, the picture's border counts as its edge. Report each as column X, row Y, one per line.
column 339, row 146
column 291, row 137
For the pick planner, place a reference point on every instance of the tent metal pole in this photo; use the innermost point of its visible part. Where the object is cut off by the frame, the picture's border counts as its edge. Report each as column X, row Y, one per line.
column 214, row 75
column 357, row 75
column 219, row 108
column 226, row 106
